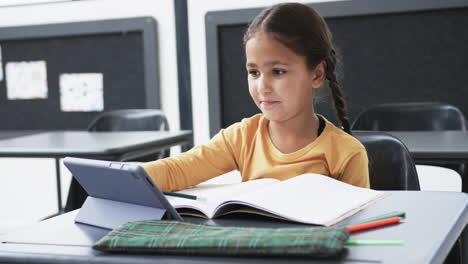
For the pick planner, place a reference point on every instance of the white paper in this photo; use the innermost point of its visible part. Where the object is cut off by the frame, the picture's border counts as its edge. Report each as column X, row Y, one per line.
column 81, row 92
column 214, row 194
column 312, row 199
column 308, row 198
column 26, row 80
column 1, row 65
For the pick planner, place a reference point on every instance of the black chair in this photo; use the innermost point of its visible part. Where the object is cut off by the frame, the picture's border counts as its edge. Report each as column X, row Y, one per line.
column 415, row 116
column 133, row 120
column 121, row 120
column 130, row 120
column 410, row 116
column 391, row 166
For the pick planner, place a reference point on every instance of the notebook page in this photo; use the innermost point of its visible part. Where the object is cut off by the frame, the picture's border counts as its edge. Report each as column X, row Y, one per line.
column 312, row 199
column 214, row 194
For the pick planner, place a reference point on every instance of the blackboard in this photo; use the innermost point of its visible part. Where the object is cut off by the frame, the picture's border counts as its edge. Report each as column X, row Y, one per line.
column 392, row 51
column 123, row 50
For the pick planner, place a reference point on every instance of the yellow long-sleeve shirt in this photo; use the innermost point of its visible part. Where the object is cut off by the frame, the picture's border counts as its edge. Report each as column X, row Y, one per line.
column 246, row 146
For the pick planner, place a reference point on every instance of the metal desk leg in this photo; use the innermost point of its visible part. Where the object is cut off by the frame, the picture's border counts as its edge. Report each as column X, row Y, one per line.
column 464, row 245
column 59, row 186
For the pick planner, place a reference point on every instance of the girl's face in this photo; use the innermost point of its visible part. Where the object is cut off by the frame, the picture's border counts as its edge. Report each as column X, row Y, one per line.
column 279, row 81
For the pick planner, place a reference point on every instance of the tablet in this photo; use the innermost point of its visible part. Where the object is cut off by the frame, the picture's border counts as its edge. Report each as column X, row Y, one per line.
column 118, row 192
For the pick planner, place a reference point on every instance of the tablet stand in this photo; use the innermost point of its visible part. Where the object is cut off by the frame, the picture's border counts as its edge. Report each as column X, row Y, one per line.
column 111, row 214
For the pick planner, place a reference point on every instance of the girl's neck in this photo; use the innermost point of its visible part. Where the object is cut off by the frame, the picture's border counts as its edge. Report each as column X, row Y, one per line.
column 294, row 134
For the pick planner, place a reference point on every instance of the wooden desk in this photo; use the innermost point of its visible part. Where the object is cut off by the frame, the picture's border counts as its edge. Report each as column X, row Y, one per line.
column 434, row 220
column 120, row 146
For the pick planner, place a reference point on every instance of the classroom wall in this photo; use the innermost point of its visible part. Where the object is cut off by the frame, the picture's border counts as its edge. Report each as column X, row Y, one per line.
column 74, row 11
column 196, row 17
column 28, row 193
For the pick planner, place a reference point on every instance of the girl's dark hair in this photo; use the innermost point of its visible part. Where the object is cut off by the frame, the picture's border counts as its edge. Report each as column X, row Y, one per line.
column 304, row 31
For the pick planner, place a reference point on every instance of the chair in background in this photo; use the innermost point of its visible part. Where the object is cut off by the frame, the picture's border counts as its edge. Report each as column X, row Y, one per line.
column 410, row 116
column 391, row 166
column 121, row 120
column 133, row 120
column 422, row 116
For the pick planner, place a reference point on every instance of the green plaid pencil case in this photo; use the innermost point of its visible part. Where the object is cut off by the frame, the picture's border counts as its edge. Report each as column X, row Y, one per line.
column 174, row 237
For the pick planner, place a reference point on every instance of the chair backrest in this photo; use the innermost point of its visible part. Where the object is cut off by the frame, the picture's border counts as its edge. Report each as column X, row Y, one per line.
column 391, row 166
column 410, row 116
column 133, row 120
column 130, row 120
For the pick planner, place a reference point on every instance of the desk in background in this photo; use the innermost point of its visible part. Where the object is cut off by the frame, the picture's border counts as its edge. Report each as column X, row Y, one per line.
column 121, row 146
column 438, row 147
column 434, row 221
column 5, row 134
column 435, row 146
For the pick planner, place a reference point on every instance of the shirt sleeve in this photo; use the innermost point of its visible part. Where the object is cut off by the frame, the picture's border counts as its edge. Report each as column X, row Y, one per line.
column 199, row 164
column 356, row 170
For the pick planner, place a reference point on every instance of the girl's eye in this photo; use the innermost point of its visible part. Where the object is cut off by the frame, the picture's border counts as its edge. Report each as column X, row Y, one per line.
column 254, row 73
column 279, row 71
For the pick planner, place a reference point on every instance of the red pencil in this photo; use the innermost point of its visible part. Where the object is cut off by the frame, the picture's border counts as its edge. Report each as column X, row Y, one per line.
column 373, row 224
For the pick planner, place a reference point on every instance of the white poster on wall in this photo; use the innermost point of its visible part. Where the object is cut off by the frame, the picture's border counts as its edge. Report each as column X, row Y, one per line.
column 26, row 80
column 81, row 92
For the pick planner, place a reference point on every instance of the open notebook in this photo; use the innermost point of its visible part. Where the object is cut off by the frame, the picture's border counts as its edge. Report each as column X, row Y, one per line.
column 308, row 198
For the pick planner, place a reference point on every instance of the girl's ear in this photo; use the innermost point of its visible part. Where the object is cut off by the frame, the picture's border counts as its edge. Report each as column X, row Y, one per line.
column 318, row 75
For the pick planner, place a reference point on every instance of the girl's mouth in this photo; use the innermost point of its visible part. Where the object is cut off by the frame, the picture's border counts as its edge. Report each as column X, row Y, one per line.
column 268, row 103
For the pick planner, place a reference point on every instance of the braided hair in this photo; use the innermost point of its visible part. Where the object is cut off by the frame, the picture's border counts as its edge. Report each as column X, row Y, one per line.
column 304, row 31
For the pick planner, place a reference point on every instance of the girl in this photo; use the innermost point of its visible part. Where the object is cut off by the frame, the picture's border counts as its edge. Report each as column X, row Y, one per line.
column 290, row 54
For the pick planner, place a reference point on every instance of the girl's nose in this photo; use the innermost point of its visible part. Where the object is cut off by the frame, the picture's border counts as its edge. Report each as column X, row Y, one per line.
column 264, row 85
